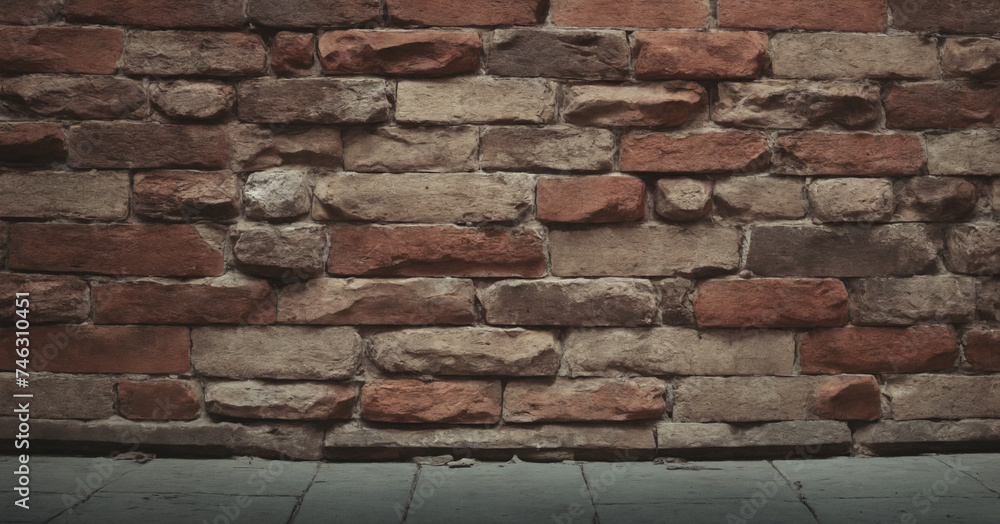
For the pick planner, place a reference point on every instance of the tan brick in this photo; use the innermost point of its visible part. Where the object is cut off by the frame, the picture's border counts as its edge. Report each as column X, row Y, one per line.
column 103, row 349
column 854, row 56
column 73, row 97
column 278, row 195
column 53, row 298
column 851, row 199
column 100, row 195
column 369, row 301
column 943, row 396
column 88, row 50
column 720, row 439
column 648, row 104
column 914, row 300
column 401, row 150
column 683, row 199
column 771, row 303
column 583, row 400
column 184, row 100
column 646, row 250
column 186, row 196
column 973, row 248
column 447, row 402
column 194, row 53
column 677, row 351
column 934, row 199
column 314, row 101
column 62, row 396
column 878, row 350
column 628, row 13
column 847, row 15
column 591, row 199
column 911, row 436
column 977, row 58
column 750, row 198
column 278, row 352
column 988, row 299
column 476, row 100
column 286, row 252
column 578, row 54
column 159, row 399
column 450, row 13
column 859, row 154
column 226, row 300
column 971, row 152
column 550, row 148
column 705, row 153
column 258, row 147
column 403, row 53
column 598, row 302
column 282, row 401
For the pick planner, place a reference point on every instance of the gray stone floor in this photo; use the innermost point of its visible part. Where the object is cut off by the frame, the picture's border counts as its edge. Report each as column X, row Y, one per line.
column 942, row 488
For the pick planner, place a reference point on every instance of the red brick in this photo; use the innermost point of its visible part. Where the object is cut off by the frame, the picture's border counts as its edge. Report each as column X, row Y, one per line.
column 292, row 53
column 583, row 400
column 236, row 302
column 771, row 303
column 156, row 13
column 842, row 15
column 33, row 143
column 92, row 50
column 629, row 13
column 848, row 398
column 857, row 154
column 954, row 16
column 451, row 402
column 136, row 145
column 706, row 153
column 29, row 12
column 700, row 56
column 878, row 350
column 186, row 196
column 54, row 298
column 120, row 249
column 158, row 399
column 313, row 13
column 452, row 13
column 942, row 105
column 591, row 199
column 103, row 349
column 430, row 53
column 982, row 350
column 436, row 251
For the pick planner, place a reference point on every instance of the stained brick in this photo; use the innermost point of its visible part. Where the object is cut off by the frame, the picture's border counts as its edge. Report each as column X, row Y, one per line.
column 53, row 298
column 647, row 104
column 404, row 53
column 216, row 301
column 571, row 302
column 31, row 143
column 700, row 56
column 73, row 97
column 134, row 145
column 854, row 56
column 973, row 248
column 934, row 199
column 156, row 13
column 878, row 350
column 797, row 104
column 705, row 153
column 933, row 105
column 194, row 53
column 159, row 399
column 103, row 349
column 982, row 350
column 29, row 12
column 771, row 303
column 93, row 50
column 448, row 402
column 859, row 154
column 186, row 196
column 258, row 147
column 583, row 400
column 977, row 58
column 960, row 16
column 313, row 101
column 591, row 199
column 63, row 396
column 573, row 54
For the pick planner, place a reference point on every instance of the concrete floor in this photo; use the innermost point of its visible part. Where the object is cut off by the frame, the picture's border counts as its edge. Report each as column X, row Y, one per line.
column 952, row 488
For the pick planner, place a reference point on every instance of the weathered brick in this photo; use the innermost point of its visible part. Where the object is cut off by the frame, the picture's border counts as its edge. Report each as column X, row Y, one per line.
column 126, row 249
column 683, row 199
column 911, row 436
column 100, row 195
column 809, row 251
column 933, row 105
column 136, row 145
column 760, row 399
column 591, row 199
column 705, row 153
column 583, row 400
column 103, row 349
column 291, row 253
column 905, row 301
column 159, row 399
column 977, row 58
column 447, row 402
column 450, row 13
column 476, row 100
column 60, row 396
column 227, row 300
column 31, row 143
column 934, row 199
column 629, row 13
column 292, row 53
column 960, row 16
column 972, row 152
column 647, row 104
column 259, row 147
column 156, row 13
column 943, row 396
column 982, row 350
column 184, row 100
column 186, row 196
column 675, row 301
column 771, row 303
column 4, row 228
column 572, row 302
column 278, row 352
column 293, row 401
column 848, row 15
column 720, row 439
column 402, row 53
column 859, row 154
column 194, row 53
column 93, row 50
column 436, row 251
column 646, row 250
column 313, row 13
column 797, row 104
column 851, row 199
column 278, row 195
column 367, row 301
column 550, row 148
column 401, row 150
column 29, row 12
column 751, row 198
column 988, row 299
column 973, row 248
column 467, row 351
column 878, row 350
column 700, row 56
column 314, row 101
column 423, row 198
column 576, row 54
column 72, row 97
column 54, row 298
column 853, row 56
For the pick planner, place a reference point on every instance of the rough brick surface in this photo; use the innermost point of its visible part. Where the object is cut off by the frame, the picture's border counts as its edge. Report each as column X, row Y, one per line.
column 853, row 56
column 628, row 13
column 973, row 248
column 155, row 13
column 292, row 53
column 851, row 199
column 296, row 401
column 93, row 50
column 425, row 53
column 287, row 252
column 982, row 350
column 572, row 54
column 277, row 195
column 435, row 251
column 62, row 396
column 255, row 148
column 797, row 104
column 849, row 15
column 648, row 104
column 214, row 301
column 400, row 150
column 583, row 400
column 705, row 153
column 476, row 100
column 104, row 349
column 750, row 198
column 128, row 249
column 159, row 399
column 195, row 53
column 107, row 145
column 936, row 105
column 186, row 196
column 278, row 352
column 313, row 13
column 467, row 351
column 973, row 152
column 485, row 13
column 447, row 402
column 552, row 148
column 771, row 303
column 711, row 439
column 53, row 298
column 201, row 101
column 313, row 101
column 848, row 398
column 977, row 58
column 878, row 350
column 591, row 199
column 31, row 143
column 683, row 199
column 598, row 302
column 914, row 300
column 932, row 396
column 95, row 195
column 962, row 16
column 88, row 97
column 29, row 12
column 700, row 56
column 934, row 199
column 849, row 154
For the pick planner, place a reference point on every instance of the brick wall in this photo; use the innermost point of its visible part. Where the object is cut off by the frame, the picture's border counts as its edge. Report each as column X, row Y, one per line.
column 364, row 229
